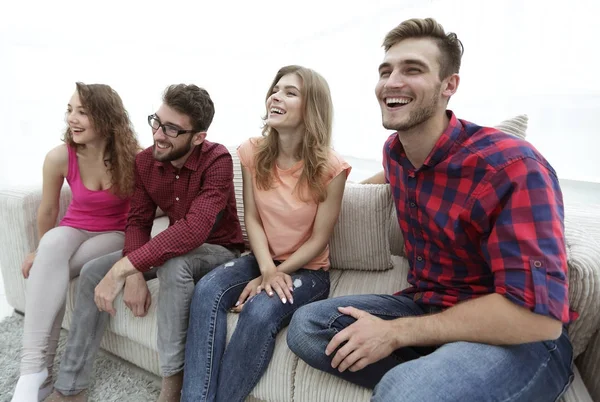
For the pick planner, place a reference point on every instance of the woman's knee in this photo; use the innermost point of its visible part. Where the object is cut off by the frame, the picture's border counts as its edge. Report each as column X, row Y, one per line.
column 208, row 287
column 262, row 311
column 57, row 241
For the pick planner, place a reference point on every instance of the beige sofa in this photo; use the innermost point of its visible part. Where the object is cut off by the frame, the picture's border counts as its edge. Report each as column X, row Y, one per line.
column 366, row 255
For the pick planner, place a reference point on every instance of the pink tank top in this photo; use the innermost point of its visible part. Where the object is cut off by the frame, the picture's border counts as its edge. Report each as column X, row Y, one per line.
column 95, row 211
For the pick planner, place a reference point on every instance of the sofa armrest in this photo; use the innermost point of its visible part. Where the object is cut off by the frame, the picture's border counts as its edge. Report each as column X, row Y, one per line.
column 583, row 253
column 18, row 235
column 589, row 367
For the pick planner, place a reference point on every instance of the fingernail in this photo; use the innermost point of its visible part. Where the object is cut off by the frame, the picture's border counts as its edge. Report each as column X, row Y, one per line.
column 270, row 293
column 283, row 300
column 237, row 303
column 291, row 300
column 291, row 289
column 326, row 352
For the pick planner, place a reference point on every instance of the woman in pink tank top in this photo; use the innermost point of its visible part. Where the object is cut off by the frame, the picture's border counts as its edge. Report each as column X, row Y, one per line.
column 293, row 185
column 97, row 160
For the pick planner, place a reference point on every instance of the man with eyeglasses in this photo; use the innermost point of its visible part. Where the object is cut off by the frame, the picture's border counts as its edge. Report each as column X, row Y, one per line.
column 191, row 180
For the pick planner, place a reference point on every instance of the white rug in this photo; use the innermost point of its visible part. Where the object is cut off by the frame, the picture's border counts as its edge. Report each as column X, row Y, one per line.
column 113, row 381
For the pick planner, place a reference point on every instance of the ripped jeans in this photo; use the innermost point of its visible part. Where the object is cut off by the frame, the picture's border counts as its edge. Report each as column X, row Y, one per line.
column 214, row 372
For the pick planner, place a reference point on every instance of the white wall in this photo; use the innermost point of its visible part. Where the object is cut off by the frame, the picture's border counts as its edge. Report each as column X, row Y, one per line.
column 535, row 57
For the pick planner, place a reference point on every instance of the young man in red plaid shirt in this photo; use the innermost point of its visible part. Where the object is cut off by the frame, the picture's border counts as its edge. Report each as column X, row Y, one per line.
column 191, row 180
column 482, row 217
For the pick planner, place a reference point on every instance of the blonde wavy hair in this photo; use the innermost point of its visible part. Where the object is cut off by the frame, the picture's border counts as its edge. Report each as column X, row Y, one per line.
column 110, row 120
column 317, row 113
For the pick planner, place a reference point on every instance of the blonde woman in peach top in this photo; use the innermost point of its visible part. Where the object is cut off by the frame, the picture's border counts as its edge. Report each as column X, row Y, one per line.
column 293, row 187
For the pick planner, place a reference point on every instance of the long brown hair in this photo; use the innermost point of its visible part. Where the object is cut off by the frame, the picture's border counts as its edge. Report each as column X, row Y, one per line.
column 111, row 121
column 317, row 112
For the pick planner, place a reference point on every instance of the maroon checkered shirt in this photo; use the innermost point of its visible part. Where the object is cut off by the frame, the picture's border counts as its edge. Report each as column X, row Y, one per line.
column 199, row 200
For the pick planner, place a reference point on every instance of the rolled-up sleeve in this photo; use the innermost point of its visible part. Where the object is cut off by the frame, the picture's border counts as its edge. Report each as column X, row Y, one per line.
column 525, row 245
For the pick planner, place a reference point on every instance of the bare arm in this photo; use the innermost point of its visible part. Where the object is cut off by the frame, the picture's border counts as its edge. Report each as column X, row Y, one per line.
column 54, row 173
column 490, row 319
column 254, row 228
column 55, row 169
column 378, row 178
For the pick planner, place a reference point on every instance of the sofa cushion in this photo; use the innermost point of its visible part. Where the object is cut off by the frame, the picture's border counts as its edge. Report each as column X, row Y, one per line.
column 346, row 282
column 360, row 238
column 516, row 126
column 583, row 254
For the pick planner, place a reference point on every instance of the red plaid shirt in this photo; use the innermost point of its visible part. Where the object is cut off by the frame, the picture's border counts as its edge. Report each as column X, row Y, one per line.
column 484, row 214
column 193, row 197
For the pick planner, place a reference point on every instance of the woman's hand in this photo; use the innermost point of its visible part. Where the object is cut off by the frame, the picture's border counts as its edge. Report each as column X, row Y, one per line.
column 27, row 263
column 249, row 291
column 279, row 282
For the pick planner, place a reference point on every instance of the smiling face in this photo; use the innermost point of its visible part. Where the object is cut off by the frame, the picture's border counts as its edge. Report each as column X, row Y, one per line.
column 168, row 149
column 80, row 124
column 409, row 89
column 284, row 106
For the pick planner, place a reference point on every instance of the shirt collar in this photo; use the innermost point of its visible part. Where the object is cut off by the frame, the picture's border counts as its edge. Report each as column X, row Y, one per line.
column 442, row 146
column 192, row 162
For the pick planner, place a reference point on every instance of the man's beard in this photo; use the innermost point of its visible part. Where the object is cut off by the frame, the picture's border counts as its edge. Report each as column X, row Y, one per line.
column 174, row 154
column 419, row 116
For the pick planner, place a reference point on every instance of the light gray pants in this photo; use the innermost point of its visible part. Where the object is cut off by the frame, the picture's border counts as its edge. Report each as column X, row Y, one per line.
column 177, row 278
column 61, row 253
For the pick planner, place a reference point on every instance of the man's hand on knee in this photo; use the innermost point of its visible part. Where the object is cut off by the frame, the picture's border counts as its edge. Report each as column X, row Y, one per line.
column 366, row 341
column 136, row 295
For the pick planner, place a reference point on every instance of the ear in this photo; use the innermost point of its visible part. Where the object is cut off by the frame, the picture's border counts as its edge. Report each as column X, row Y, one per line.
column 450, row 85
column 199, row 138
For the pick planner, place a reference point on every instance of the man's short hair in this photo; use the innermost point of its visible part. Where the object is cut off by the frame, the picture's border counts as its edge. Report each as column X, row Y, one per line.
column 451, row 48
column 192, row 101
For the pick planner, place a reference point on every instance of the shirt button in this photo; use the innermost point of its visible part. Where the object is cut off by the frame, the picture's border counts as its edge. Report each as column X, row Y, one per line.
column 412, row 204
column 419, row 258
column 176, row 198
column 537, row 264
column 177, row 177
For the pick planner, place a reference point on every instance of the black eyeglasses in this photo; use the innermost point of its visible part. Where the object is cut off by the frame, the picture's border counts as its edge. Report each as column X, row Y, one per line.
column 169, row 130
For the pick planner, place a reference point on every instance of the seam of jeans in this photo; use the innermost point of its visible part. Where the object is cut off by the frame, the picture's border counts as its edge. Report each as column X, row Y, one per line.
column 211, row 340
column 372, row 312
column 570, row 381
column 533, row 378
column 248, row 390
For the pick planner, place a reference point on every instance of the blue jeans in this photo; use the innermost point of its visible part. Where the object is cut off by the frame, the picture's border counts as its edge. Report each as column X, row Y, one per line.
column 215, row 373
column 458, row 371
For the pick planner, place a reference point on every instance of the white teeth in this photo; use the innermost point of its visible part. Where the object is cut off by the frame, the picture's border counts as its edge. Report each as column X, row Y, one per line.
column 277, row 110
column 162, row 146
column 403, row 101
